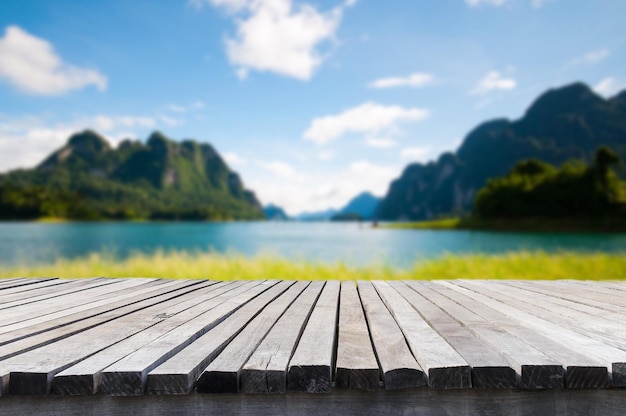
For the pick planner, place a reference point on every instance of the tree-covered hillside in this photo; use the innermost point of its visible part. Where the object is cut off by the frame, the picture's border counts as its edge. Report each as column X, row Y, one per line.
column 562, row 124
column 535, row 189
column 161, row 179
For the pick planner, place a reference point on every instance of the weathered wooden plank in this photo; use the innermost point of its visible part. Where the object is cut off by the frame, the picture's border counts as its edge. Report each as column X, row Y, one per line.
column 28, row 284
column 20, row 348
column 127, row 377
column 58, row 303
column 31, row 373
column 607, row 326
column 6, row 283
column 586, row 346
column 312, row 364
column 535, row 369
column 399, row 368
column 42, row 330
column 564, row 295
column 582, row 330
column 356, row 363
column 222, row 375
column 124, row 290
column 445, row 368
column 83, row 378
column 39, row 295
column 489, row 369
column 179, row 374
column 266, row 369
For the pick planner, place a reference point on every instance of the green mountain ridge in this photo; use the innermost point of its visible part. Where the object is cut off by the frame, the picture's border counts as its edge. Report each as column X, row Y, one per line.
column 275, row 213
column 161, row 179
column 562, row 124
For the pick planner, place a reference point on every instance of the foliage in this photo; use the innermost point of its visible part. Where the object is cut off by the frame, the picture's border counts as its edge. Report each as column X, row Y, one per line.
column 536, row 189
column 562, row 124
column 202, row 265
column 160, row 180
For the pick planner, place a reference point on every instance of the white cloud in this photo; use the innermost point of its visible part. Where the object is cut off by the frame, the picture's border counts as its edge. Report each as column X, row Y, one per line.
column 475, row 3
column 326, row 155
column 493, row 81
column 380, row 143
column 281, row 169
column 277, row 36
column 177, row 108
column 537, row 4
column 592, row 57
column 30, row 64
column 416, row 154
column 25, row 142
column 198, row 105
column 369, row 118
column 608, row 87
column 324, row 189
column 234, row 159
column 108, row 123
column 415, row 80
column 230, row 6
column 242, row 73
column 29, row 146
column 170, row 121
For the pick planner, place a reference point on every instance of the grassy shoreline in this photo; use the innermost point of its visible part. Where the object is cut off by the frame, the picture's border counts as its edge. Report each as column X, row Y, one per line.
column 591, row 225
column 201, row 265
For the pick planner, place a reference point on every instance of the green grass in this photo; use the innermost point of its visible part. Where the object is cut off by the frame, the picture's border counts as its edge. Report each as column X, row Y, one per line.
column 202, row 265
column 527, row 225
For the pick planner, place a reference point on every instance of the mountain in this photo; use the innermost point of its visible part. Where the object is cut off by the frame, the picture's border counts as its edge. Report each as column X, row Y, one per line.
column 562, row 124
column 362, row 206
column 161, row 179
column 275, row 213
column 317, row 215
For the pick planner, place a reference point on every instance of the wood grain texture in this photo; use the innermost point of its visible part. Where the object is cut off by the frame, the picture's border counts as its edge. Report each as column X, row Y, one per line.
column 489, row 369
column 312, row 364
column 399, row 368
column 179, row 374
column 222, row 375
column 561, row 340
column 266, row 370
column 84, row 377
column 445, row 367
column 532, row 318
column 356, row 363
column 535, row 369
column 32, row 372
column 127, row 377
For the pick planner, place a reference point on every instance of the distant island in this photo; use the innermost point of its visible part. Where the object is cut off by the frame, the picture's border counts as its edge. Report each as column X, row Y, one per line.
column 162, row 179
column 275, row 213
column 360, row 208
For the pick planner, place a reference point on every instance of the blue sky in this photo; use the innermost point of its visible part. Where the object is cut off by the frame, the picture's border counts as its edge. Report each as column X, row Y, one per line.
column 310, row 101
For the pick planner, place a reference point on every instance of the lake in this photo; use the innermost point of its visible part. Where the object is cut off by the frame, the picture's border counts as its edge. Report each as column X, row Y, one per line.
column 351, row 243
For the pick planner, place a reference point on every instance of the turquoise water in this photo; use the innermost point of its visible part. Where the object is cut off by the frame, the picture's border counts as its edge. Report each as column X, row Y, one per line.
column 353, row 244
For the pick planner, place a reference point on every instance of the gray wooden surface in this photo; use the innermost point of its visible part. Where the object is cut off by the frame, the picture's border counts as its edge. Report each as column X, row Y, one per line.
column 356, row 364
column 96, row 338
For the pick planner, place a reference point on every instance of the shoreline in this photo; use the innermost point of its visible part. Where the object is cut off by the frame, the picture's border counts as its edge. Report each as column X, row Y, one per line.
column 533, row 225
column 530, row 265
